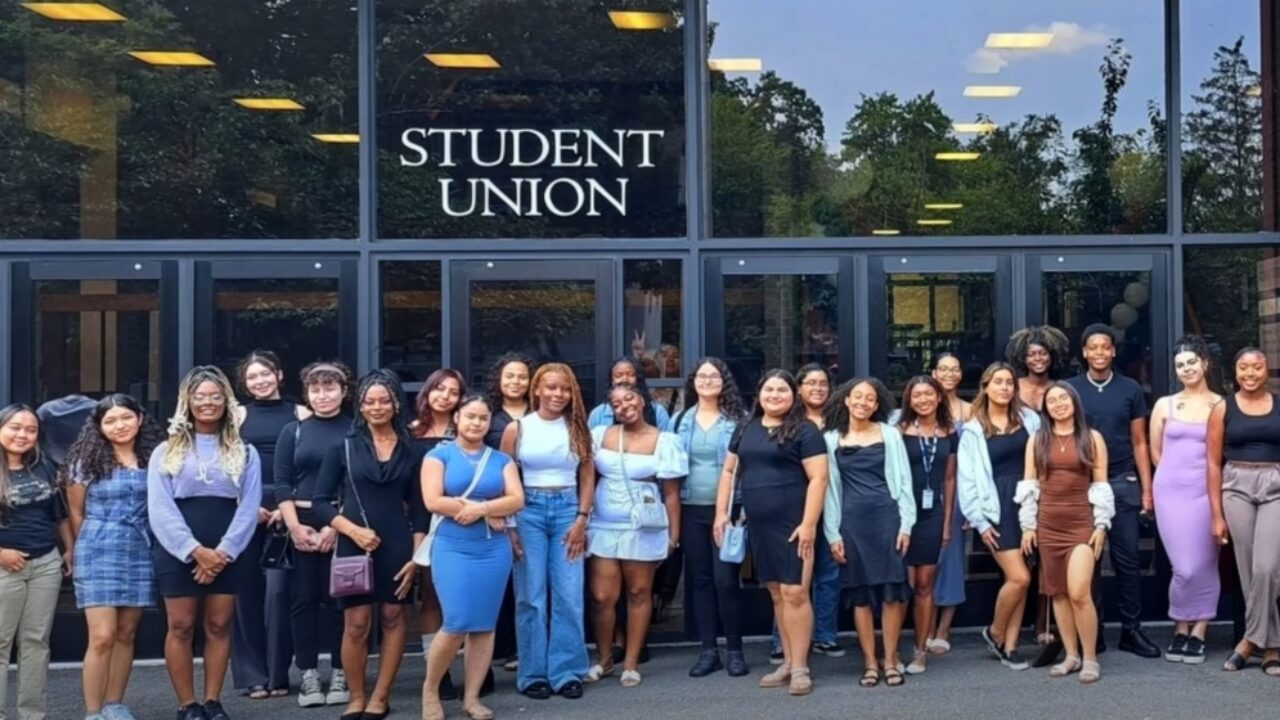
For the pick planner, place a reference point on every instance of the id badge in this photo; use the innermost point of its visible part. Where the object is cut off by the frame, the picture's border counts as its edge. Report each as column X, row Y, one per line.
column 926, row 499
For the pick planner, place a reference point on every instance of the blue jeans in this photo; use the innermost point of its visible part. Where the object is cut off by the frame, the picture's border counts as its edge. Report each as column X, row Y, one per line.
column 557, row 656
column 826, row 596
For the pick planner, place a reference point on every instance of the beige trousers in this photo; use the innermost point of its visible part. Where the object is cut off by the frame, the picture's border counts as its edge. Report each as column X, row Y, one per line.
column 1251, row 502
column 28, row 599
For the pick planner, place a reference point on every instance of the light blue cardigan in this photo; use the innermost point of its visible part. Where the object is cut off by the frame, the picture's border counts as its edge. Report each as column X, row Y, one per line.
column 897, row 471
column 975, row 485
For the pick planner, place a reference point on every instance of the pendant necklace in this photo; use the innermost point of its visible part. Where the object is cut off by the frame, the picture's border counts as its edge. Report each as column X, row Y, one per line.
column 1100, row 386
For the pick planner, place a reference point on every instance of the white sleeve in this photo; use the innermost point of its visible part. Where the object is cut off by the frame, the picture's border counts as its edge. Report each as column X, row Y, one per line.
column 1103, row 501
column 1027, row 496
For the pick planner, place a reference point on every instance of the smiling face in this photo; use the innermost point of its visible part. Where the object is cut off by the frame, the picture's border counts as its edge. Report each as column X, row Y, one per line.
column 554, row 392
column 444, row 397
column 1038, row 359
column 262, row 382
column 472, row 421
column 513, row 381
column 1251, row 372
column 325, row 398
column 628, row 406
column 924, row 400
column 377, row 406
column 1099, row 352
column 948, row 373
column 120, row 426
column 776, row 398
column 815, row 388
column 708, row 382
column 1058, row 403
column 623, row 373
column 1189, row 367
column 1001, row 388
column 208, row 403
column 862, row 401
column 20, row 433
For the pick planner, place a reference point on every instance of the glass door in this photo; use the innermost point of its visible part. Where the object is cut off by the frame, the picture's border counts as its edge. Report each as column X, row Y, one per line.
column 95, row 328
column 922, row 306
column 767, row 312
column 302, row 310
column 551, row 311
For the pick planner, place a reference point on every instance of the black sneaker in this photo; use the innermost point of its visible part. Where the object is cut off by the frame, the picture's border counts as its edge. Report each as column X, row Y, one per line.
column 708, row 662
column 777, row 657
column 1194, row 652
column 991, row 642
column 1177, row 649
column 213, row 711
column 572, row 690
column 1013, row 660
column 540, row 690
column 736, row 663
column 191, row 712
column 830, row 649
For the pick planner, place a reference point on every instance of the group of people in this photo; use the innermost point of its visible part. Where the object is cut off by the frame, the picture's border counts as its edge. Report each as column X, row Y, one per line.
column 281, row 529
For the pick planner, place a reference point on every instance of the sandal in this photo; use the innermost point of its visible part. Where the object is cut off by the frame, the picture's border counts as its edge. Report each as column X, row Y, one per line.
column 596, row 672
column 1090, row 671
column 938, row 647
column 1235, row 662
column 1271, row 667
column 801, row 683
column 1070, row 665
column 870, row 678
column 279, row 692
column 630, row 679
column 429, row 712
column 778, row 678
column 258, row 692
column 476, row 711
column 918, row 663
column 893, row 677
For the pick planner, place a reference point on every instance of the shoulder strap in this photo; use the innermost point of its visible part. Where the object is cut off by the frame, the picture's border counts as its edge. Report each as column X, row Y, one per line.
column 351, row 479
column 680, row 417
column 475, row 476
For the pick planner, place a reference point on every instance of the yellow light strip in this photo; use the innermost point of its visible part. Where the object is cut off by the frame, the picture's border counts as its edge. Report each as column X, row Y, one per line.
column 268, row 103
column 943, row 206
column 886, row 231
column 992, row 91
column 630, row 20
column 341, row 138
column 171, row 57
column 974, row 127
column 1254, row 91
column 957, row 156
column 933, row 222
column 1020, row 40
column 473, row 61
column 741, row 65
column 75, row 12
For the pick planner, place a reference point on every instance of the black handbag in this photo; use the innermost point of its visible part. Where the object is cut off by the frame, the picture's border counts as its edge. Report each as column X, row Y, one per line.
column 277, row 551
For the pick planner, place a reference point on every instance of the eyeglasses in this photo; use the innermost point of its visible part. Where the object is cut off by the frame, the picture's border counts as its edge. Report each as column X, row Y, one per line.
column 708, row 378
column 948, row 371
column 210, row 398
column 816, row 384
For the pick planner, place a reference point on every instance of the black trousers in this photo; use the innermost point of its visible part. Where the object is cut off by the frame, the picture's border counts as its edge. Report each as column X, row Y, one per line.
column 713, row 584
column 1122, row 543
column 262, row 641
column 313, row 615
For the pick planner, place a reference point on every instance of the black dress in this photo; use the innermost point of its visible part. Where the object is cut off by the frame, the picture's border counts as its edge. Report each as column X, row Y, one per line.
column 774, row 485
column 392, row 497
column 1008, row 464
column 926, row 535
column 869, row 524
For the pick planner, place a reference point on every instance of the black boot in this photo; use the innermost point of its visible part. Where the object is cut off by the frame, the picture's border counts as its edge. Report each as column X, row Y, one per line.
column 1133, row 641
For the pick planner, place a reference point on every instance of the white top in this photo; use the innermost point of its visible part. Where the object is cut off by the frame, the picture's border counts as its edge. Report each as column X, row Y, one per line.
column 616, row 493
column 544, row 454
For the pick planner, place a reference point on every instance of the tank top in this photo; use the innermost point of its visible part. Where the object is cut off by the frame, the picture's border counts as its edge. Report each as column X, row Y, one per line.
column 1251, row 438
column 543, row 451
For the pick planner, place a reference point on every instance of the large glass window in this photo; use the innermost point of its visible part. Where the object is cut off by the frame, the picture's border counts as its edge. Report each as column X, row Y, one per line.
column 844, row 118
column 147, row 119
column 929, row 314
column 1231, row 297
column 1223, row 158
column 779, row 321
column 539, row 118
column 412, row 318
column 1073, row 301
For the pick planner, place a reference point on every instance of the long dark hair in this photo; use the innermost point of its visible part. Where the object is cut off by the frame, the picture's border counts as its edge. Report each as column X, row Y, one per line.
column 1080, row 433
column 731, row 406
column 494, row 389
column 92, row 456
column 391, row 382
column 795, row 416
column 30, row 458
column 909, row 416
column 637, row 368
column 422, row 413
column 836, row 416
column 980, row 409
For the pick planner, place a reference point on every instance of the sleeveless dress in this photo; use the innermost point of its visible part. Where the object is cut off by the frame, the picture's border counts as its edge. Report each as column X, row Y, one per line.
column 610, row 533
column 113, row 552
column 1008, row 463
column 1186, row 521
column 926, row 535
column 869, row 525
column 1066, row 517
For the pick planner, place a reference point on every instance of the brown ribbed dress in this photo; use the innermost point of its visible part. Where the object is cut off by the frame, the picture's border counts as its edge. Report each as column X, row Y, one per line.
column 1066, row 517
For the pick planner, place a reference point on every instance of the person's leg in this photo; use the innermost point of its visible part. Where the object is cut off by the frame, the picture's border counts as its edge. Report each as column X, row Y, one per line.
column 638, row 578
column 826, row 594
column 304, row 610
column 864, row 621
column 279, row 633
column 391, row 651
column 444, row 648
column 127, row 620
column 430, row 616
column 529, row 577
column 1007, row 621
column 699, row 572
column 1123, row 543
column 356, row 623
column 476, row 665
column 797, row 618
column 567, row 658
column 249, row 629
column 1079, row 592
column 34, row 629
column 727, row 578
column 180, row 613
column 219, row 619
column 1065, row 618
column 892, row 615
column 946, row 616
column 922, row 582
column 1241, row 516
column 779, row 612
column 1264, row 627
column 666, row 580
column 101, row 622
column 605, row 579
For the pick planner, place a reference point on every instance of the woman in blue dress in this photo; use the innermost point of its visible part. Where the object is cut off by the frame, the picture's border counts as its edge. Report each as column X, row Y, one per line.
column 472, row 489
column 114, row 577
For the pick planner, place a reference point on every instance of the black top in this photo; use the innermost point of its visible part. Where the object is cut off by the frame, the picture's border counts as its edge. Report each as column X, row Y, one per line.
column 1251, row 438
column 391, row 491
column 1110, row 410
column 497, row 426
column 862, row 477
column 263, row 420
column 35, row 509
column 300, row 451
column 1008, row 454
column 947, row 446
column 762, row 462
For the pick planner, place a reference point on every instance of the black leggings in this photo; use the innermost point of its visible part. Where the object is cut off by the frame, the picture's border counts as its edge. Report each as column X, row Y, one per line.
column 714, row 584
column 313, row 615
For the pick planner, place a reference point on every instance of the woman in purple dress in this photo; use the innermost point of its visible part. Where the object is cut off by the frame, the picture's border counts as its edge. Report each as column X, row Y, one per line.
column 1179, row 425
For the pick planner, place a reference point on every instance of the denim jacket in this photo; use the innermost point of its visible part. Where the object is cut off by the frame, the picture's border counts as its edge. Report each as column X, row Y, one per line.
column 682, row 425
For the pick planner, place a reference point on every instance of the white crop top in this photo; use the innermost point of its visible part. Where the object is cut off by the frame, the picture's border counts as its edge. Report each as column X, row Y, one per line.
column 544, row 454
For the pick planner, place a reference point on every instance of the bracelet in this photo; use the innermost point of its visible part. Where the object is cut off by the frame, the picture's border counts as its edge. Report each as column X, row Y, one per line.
column 583, row 513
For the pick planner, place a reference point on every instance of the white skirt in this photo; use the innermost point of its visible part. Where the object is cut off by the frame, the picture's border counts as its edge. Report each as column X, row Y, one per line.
column 610, row 534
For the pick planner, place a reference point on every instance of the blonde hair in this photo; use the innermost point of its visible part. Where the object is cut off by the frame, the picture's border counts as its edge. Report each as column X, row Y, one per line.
column 232, row 454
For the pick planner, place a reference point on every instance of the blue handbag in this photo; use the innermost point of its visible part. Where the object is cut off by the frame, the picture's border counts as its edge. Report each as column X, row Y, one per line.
column 734, row 548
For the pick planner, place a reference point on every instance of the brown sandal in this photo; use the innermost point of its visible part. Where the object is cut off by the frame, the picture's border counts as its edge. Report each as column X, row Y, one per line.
column 870, row 678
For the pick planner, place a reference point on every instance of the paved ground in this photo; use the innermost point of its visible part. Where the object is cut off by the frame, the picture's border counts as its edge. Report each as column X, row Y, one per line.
column 968, row 683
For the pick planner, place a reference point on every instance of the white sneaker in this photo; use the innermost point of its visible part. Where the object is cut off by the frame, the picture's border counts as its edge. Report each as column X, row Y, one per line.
column 310, row 694
column 338, row 693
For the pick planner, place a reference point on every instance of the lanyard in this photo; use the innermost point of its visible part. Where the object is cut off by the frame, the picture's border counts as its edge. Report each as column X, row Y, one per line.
column 928, row 453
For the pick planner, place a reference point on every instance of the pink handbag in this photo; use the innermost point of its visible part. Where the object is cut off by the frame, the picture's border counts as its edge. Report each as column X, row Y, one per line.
column 352, row 575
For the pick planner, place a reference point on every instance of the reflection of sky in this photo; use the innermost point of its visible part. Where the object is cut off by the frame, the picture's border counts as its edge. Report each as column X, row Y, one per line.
column 837, row 49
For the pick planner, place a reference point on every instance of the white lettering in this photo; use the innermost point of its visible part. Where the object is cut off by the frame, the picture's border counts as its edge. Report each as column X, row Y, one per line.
column 447, row 145
column 422, row 152
column 549, row 198
column 516, row 145
column 619, row 201
column 491, row 189
column 475, row 148
column 594, row 141
column 562, row 147
column 646, row 162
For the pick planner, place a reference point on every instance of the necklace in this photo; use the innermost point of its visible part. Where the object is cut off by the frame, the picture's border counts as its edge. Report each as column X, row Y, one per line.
column 1101, row 385
column 202, row 466
column 1062, row 443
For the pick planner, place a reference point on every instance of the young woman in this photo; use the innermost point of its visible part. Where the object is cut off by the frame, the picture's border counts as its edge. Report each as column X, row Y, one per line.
column 705, row 429
column 868, row 516
column 636, row 464
column 262, row 645
column 34, row 522
column 780, row 462
column 930, row 436
column 1244, row 432
column 552, row 446
column 368, row 490
column 1179, row 428
column 990, row 462
column 508, row 394
column 204, row 490
column 815, row 390
column 299, row 454
column 948, row 590
column 473, row 488
column 114, row 578
column 1038, row 354
column 1067, row 506
column 627, row 370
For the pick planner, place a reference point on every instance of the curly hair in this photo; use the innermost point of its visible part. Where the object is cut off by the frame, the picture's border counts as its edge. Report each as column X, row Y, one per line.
column 575, row 415
column 422, row 413
column 637, row 369
column 1046, row 336
column 836, row 416
column 262, row 357
column 731, row 405
column 232, row 455
column 389, row 381
column 92, row 457
column 327, row 371
column 795, row 416
column 494, row 387
column 942, row 416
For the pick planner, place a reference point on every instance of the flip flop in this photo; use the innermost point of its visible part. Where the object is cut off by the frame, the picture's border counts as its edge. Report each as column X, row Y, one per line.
column 893, row 677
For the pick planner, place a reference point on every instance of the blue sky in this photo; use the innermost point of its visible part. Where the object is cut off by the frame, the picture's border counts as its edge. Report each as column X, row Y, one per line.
column 837, row 49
